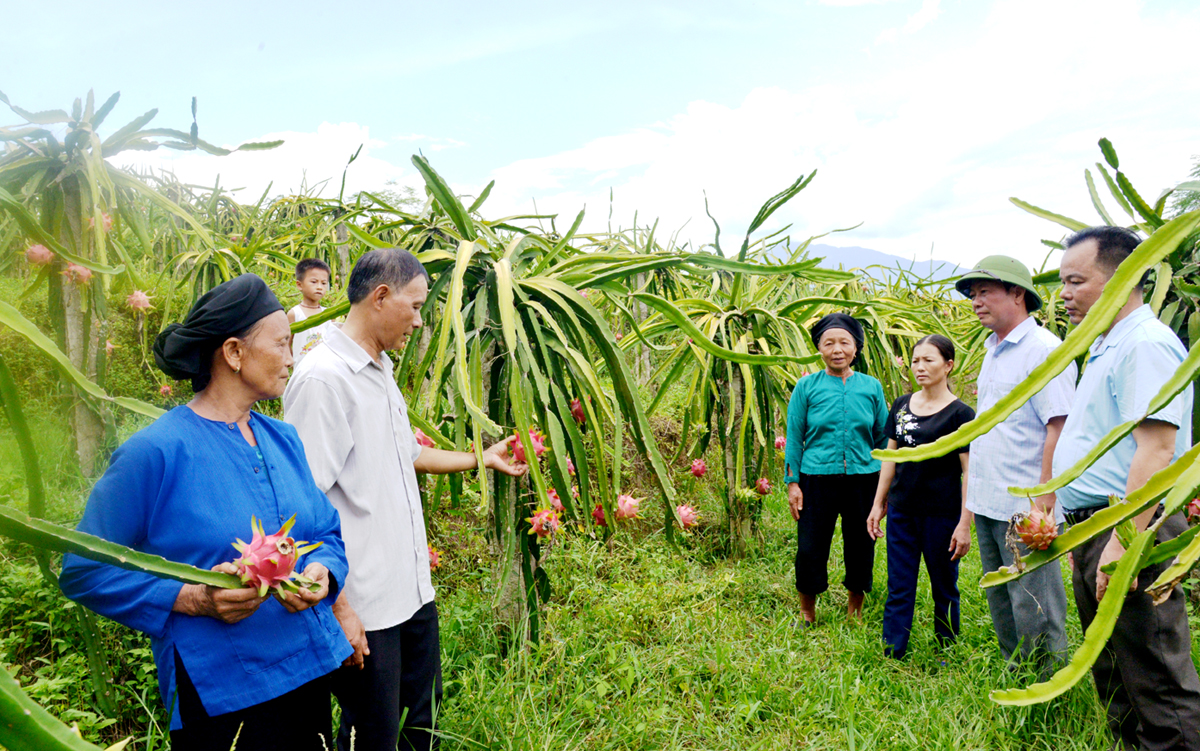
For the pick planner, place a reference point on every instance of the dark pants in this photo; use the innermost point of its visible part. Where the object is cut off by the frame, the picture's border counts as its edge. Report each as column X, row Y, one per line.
column 1144, row 675
column 403, row 672
column 300, row 720
column 825, row 498
column 909, row 539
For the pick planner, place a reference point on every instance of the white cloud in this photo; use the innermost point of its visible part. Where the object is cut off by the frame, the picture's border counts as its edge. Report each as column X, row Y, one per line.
column 850, row 3
column 312, row 160
column 925, row 154
column 924, row 16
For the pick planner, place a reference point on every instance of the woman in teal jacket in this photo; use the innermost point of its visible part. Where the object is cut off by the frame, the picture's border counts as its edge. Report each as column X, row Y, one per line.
column 835, row 418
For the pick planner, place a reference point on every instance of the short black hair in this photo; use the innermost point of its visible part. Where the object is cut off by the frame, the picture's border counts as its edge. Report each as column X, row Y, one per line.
column 1113, row 245
column 1026, row 297
column 308, row 264
column 391, row 266
column 944, row 346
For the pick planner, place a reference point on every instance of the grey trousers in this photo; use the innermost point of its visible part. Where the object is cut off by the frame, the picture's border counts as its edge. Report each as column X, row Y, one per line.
column 1029, row 614
column 1144, row 675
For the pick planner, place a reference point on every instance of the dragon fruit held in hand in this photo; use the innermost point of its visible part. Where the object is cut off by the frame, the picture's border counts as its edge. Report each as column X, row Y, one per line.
column 699, row 468
column 598, row 515
column 1193, row 509
column 763, row 486
column 544, row 522
column 422, row 439
column 627, row 507
column 536, row 440
column 687, row 516
column 268, row 561
column 1037, row 528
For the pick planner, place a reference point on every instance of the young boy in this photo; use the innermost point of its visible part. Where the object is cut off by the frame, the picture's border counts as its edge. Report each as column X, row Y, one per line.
column 312, row 278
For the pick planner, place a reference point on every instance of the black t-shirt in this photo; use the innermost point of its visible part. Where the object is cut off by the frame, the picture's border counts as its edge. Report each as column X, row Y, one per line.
column 932, row 487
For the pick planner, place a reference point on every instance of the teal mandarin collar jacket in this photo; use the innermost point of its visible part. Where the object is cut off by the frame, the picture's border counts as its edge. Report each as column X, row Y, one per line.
column 832, row 426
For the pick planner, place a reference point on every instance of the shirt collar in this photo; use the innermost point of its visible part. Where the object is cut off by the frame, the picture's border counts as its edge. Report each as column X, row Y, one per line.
column 1117, row 333
column 1014, row 337
column 351, row 352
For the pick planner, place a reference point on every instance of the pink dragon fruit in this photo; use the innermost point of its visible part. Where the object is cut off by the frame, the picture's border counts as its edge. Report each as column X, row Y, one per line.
column 618, row 336
column 1193, row 509
column 435, row 558
column 76, row 274
column 39, row 255
column 780, row 442
column 763, row 486
column 138, row 300
column 1037, row 529
column 105, row 221
column 627, row 507
column 577, row 411
column 699, row 468
column 109, row 347
column 536, row 440
column 555, row 502
column 570, row 466
column 268, row 561
column 422, row 439
column 544, row 522
column 598, row 515
column 166, row 390
column 688, row 516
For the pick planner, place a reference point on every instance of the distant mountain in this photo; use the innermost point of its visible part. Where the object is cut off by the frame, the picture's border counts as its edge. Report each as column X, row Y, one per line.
column 853, row 257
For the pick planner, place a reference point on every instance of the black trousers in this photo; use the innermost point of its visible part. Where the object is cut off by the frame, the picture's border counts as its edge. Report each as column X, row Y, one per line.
column 403, row 672
column 1145, row 675
column 300, row 720
column 825, row 498
column 911, row 538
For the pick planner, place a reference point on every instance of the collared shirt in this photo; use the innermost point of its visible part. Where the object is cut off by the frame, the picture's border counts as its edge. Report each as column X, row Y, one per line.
column 1125, row 370
column 832, row 426
column 1011, row 453
column 185, row 488
column 361, row 448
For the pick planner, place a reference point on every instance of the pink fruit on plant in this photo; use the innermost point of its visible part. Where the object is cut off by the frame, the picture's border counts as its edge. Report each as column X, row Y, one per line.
column 1193, row 509
column 166, row 390
column 699, row 468
column 76, row 274
column 422, row 439
column 105, row 221
column 577, row 411
column 627, row 507
column 763, row 486
column 1037, row 529
column 555, row 502
column 570, row 466
column 435, row 558
column 39, row 255
column 780, row 442
column 688, row 516
column 536, row 440
column 598, row 515
column 267, row 561
column 618, row 336
column 544, row 522
column 138, row 300
column 109, row 347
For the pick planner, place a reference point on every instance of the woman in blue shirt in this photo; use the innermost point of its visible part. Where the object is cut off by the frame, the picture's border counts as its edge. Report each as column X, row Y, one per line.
column 185, row 488
column 835, row 418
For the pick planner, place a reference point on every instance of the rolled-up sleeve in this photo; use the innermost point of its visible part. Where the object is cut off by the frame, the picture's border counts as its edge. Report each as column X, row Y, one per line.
column 1145, row 370
column 796, row 425
column 319, row 416
column 119, row 508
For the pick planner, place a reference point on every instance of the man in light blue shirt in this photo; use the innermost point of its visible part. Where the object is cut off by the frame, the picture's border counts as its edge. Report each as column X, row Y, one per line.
column 1144, row 675
column 1029, row 615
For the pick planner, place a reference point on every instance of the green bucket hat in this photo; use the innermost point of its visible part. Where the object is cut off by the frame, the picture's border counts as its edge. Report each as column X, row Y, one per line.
column 1001, row 269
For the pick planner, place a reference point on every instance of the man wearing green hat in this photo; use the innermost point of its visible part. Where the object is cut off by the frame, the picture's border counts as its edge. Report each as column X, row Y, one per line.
column 1028, row 614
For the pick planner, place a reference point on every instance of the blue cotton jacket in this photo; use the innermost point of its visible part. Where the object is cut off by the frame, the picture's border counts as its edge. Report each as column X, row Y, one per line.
column 185, row 488
column 832, row 426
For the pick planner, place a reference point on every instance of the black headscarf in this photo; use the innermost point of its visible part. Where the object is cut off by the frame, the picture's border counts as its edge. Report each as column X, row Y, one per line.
column 840, row 321
column 185, row 350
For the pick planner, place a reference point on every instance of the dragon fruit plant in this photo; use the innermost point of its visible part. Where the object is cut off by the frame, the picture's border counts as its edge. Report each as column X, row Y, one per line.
column 536, row 439
column 780, row 442
column 268, row 561
column 577, row 411
column 39, row 255
column 763, row 486
column 699, row 468
column 627, row 507
column 544, row 522
column 688, row 516
column 555, row 502
column 1037, row 528
column 598, row 516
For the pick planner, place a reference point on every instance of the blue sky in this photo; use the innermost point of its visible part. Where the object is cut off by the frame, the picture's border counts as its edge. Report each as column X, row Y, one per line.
column 922, row 116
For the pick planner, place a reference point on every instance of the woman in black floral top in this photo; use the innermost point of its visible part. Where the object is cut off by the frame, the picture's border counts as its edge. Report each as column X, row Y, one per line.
column 924, row 500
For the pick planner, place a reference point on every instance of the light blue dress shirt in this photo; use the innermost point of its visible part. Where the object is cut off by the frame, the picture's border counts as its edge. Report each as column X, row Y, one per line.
column 1011, row 453
column 1124, row 371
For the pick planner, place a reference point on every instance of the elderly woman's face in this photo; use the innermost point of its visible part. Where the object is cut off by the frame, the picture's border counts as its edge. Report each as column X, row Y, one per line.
column 837, row 349
column 267, row 355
